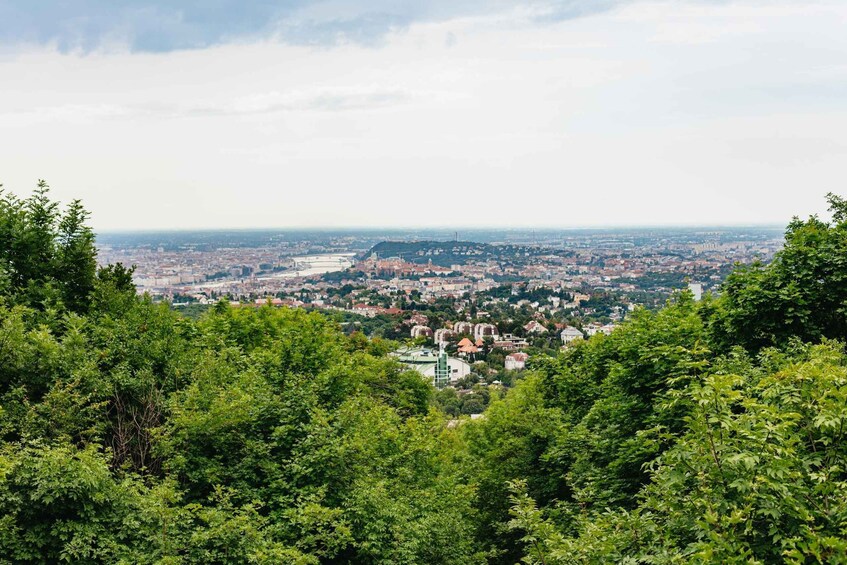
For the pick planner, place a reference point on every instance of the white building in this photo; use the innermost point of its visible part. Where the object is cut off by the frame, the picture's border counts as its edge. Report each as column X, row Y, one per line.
column 442, row 335
column 424, row 360
column 594, row 329
column 421, row 331
column 571, row 334
column 481, row 331
column 697, row 290
column 463, row 328
column 457, row 368
column 516, row 361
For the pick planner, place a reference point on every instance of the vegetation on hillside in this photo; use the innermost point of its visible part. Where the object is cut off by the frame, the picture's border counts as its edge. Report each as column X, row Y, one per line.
column 705, row 432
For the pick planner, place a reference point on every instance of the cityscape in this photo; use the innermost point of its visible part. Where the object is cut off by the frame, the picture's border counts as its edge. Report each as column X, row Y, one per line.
column 361, row 271
column 496, row 301
column 549, row 282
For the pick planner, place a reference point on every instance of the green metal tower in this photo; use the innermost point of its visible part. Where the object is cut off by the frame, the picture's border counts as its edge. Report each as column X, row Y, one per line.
column 442, row 369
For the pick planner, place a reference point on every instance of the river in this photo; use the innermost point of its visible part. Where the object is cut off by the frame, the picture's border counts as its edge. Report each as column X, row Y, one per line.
column 314, row 265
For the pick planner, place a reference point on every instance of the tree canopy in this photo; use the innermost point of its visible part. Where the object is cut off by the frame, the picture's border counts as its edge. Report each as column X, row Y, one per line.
column 708, row 432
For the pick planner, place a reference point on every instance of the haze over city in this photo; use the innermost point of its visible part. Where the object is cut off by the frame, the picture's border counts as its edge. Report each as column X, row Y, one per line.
column 556, row 114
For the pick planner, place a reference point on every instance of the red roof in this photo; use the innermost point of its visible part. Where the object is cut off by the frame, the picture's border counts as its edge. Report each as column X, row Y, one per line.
column 392, row 311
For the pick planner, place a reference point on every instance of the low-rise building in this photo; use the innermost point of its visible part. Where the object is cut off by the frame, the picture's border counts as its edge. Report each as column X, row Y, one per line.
column 510, row 342
column 571, row 334
column 467, row 347
column 516, row 361
column 594, row 329
column 417, row 320
column 535, row 327
column 436, row 365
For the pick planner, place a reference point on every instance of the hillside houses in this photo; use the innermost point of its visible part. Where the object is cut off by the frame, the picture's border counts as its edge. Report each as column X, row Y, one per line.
column 535, row 327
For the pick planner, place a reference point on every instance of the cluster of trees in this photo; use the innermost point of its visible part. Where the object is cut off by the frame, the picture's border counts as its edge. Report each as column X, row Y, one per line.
column 702, row 432
column 45, row 254
column 131, row 434
column 468, row 398
column 709, row 432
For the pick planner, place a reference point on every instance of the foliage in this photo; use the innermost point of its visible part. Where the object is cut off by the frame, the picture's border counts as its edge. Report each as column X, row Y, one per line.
column 701, row 432
column 47, row 256
column 802, row 292
column 757, row 477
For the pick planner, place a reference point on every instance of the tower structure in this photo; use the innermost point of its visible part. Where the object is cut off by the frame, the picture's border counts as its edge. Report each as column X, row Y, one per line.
column 442, row 369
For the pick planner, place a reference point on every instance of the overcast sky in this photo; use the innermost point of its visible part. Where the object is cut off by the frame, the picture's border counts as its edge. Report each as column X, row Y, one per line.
column 454, row 113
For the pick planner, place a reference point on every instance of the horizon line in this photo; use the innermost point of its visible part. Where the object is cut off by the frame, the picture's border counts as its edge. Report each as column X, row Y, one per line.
column 439, row 228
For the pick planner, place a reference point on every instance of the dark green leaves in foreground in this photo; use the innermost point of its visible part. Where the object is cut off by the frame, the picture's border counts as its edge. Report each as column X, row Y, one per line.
column 757, row 477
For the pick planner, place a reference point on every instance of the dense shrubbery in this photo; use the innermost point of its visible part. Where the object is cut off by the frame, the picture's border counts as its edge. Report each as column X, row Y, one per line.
column 710, row 432
column 705, row 432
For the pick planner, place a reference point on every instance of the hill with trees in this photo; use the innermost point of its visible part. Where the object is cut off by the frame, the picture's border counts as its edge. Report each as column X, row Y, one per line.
column 447, row 253
column 708, row 432
column 441, row 253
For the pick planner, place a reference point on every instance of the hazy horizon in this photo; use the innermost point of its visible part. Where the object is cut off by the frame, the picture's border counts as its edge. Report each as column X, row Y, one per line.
column 446, row 229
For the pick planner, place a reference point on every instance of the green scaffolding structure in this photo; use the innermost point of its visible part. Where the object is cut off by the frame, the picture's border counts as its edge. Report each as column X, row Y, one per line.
column 442, row 370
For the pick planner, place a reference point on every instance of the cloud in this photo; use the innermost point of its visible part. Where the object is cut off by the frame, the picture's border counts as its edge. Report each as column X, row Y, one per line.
column 321, row 99
column 650, row 112
column 147, row 25
column 337, row 99
column 163, row 25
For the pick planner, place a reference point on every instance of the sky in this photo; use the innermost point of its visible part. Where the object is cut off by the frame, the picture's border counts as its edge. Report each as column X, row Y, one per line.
column 181, row 115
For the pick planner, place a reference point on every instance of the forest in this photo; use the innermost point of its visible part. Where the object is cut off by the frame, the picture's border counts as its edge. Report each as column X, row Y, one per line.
column 704, row 432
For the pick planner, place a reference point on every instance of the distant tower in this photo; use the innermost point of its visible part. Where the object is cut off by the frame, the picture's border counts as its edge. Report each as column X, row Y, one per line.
column 442, row 369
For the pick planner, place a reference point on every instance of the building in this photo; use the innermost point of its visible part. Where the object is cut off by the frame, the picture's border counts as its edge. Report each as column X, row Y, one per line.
column 697, row 290
column 534, row 327
column 571, row 334
column 365, row 310
column 463, row 328
column 510, row 342
column 594, row 329
column 516, row 361
column 481, row 331
column 465, row 342
column 421, row 331
column 417, row 320
column 467, row 347
column 441, row 372
column 436, row 365
column 443, row 335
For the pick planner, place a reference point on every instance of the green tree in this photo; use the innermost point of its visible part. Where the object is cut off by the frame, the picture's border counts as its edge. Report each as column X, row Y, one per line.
column 47, row 257
column 802, row 292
